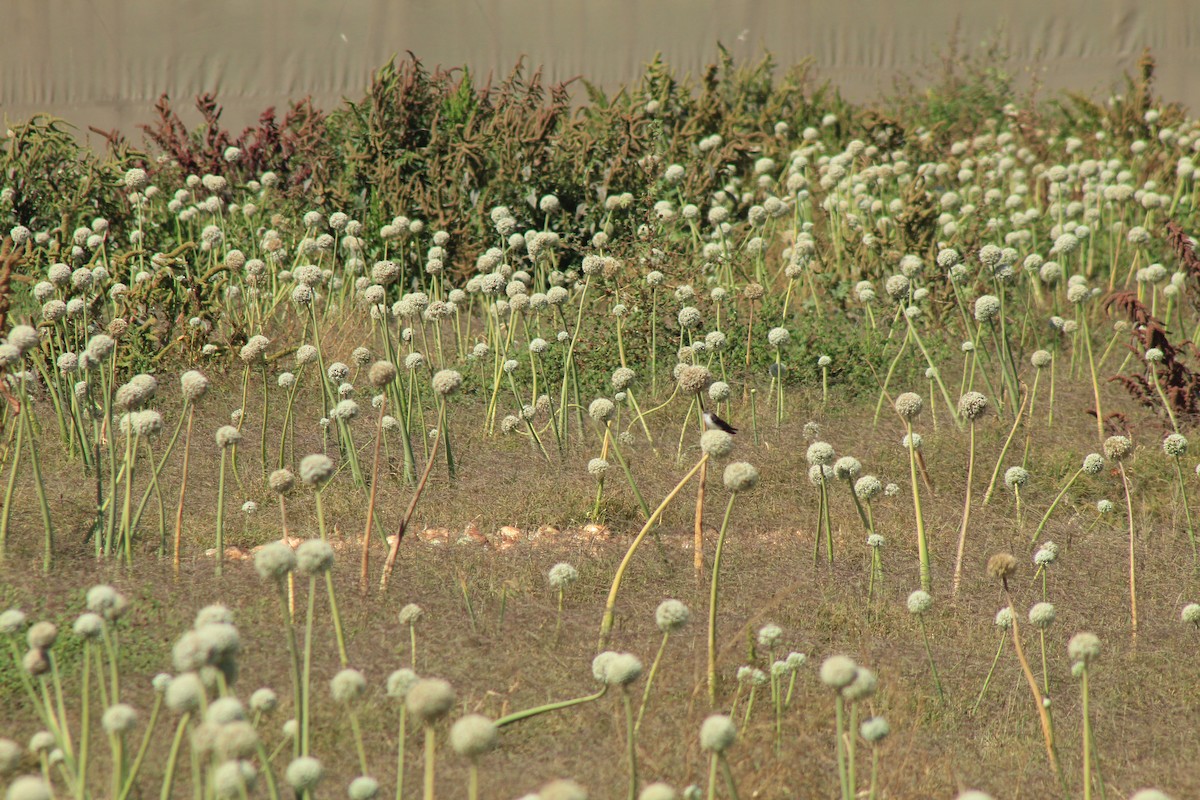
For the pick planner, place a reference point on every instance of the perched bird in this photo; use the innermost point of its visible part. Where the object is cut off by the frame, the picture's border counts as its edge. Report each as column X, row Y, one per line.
column 711, row 421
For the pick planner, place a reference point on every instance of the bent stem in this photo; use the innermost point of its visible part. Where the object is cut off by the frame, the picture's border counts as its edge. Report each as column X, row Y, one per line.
column 712, row 604
column 607, row 621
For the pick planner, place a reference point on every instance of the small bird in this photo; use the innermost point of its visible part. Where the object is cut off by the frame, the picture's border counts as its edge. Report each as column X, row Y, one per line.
column 711, row 421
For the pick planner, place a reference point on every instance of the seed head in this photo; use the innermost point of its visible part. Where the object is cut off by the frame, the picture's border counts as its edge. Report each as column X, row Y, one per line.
column 867, row 488
column 382, row 373
column 717, row 734
column 1016, row 477
column 193, row 384
column 1084, row 647
column 601, row 410
column 410, row 614
column 119, row 718
column 909, row 405
column 1002, row 566
column 919, row 602
column 429, row 699
column 1093, row 463
column 474, row 735
column 316, row 469
column 399, row 683
column 446, row 382
column 847, row 468
column 838, row 672
column 694, row 378
column 987, row 308
column 1175, row 445
column 281, row 481
column 562, row 575
column 820, row 454
column 972, row 406
column 769, row 635
column 314, row 557
column 875, row 729
column 1117, row 447
column 28, row 787
column 304, row 773
column 672, row 615
column 716, row 443
column 275, row 561
column 1041, row 615
column 1040, row 359
column 228, row 436
column 740, row 477
column 347, row 686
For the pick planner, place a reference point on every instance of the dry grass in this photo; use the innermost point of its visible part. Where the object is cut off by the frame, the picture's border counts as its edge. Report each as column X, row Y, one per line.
column 768, row 576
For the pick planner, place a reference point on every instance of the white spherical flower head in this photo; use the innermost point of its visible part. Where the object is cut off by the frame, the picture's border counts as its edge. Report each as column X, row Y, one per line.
column 987, row 308
column 410, row 614
column 1093, row 463
column 716, row 443
column 1004, row 618
column 1041, row 615
column 185, row 693
column 447, row 381
column 837, row 672
column 193, row 385
column 1084, row 648
column 474, row 735
column 719, row 391
column 820, row 454
column 778, row 337
column 562, row 575
column 263, row 701
column 1016, row 477
column 601, row 410
column 1191, row 614
column 973, row 794
column 1154, row 356
column 1175, row 445
column 658, row 791
column 28, row 787
column 769, row 635
column 88, row 626
column 429, row 699
column 868, row 487
column 1149, row 794
column 1117, row 448
column 304, row 773
column 875, row 729
column 693, row 378
column 671, row 616
column 897, row 287
column 119, row 719
column 1104, row 506
column 717, row 734
column 622, row 669
column 909, row 405
column 228, row 436
column 400, row 682
column 314, row 557
column 740, row 477
column 596, row 467
column 847, row 468
column 347, row 686
column 919, row 602
column 275, row 561
column 316, row 469
column 1040, row 359
column 41, row 635
column 972, row 406
column 863, row 687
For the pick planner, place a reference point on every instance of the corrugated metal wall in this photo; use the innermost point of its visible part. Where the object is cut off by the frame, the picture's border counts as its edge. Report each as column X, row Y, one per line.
column 105, row 62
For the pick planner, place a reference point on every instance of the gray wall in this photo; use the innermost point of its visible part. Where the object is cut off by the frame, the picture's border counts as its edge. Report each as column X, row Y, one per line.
column 105, row 62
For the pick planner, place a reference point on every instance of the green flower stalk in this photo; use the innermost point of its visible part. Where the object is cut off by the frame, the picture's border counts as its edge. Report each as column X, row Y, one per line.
column 1093, row 463
column 227, row 438
column 717, row 735
column 398, row 685
column 1084, row 649
column 908, row 407
column 445, row 383
column 347, row 688
column 560, row 577
column 427, row 701
column 472, row 737
column 1175, row 445
column 971, row 407
column 919, row 603
column 820, row 456
column 739, row 477
column 1118, row 448
column 410, row 615
column 838, row 672
column 606, row 622
column 671, row 616
column 1003, row 622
